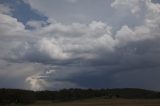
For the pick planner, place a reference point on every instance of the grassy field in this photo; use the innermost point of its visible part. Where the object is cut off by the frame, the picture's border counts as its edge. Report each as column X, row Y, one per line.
column 103, row 102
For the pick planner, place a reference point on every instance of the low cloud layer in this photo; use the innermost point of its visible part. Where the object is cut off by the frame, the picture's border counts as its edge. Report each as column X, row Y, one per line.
column 54, row 55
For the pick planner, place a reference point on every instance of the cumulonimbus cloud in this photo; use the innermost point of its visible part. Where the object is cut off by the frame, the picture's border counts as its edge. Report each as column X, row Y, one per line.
column 97, row 51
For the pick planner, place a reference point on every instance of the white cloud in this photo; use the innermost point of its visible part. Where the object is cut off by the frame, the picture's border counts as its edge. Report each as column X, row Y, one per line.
column 128, row 5
column 73, row 38
column 147, row 30
column 9, row 26
column 50, row 48
column 36, row 83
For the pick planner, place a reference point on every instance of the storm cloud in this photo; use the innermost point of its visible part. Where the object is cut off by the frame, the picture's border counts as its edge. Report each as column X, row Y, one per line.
column 120, row 48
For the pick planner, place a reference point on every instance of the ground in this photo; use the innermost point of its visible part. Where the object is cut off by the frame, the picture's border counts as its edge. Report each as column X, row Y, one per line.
column 102, row 102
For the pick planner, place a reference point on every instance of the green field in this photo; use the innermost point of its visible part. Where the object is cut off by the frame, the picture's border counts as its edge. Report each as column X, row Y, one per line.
column 102, row 102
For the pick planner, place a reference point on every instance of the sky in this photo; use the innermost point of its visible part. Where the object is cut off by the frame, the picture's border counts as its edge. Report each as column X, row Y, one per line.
column 56, row 44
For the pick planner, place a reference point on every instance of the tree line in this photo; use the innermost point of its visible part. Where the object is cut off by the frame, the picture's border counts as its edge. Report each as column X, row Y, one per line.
column 17, row 96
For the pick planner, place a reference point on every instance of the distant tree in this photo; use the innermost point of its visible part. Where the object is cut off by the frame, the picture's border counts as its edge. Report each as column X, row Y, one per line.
column 158, row 95
column 10, row 96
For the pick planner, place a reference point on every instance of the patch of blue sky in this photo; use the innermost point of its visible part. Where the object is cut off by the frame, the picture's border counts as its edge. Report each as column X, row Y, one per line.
column 22, row 11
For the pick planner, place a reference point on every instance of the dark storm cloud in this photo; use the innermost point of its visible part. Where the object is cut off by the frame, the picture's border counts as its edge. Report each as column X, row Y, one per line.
column 135, row 57
column 155, row 1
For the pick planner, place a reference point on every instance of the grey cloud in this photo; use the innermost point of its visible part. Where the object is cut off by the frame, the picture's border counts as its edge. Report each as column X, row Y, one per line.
column 82, row 11
column 5, row 9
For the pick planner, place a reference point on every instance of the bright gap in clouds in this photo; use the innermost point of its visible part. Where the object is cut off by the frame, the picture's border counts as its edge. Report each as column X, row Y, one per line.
column 59, row 44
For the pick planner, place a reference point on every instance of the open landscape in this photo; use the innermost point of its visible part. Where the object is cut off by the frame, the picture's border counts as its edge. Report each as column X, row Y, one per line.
column 101, row 102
